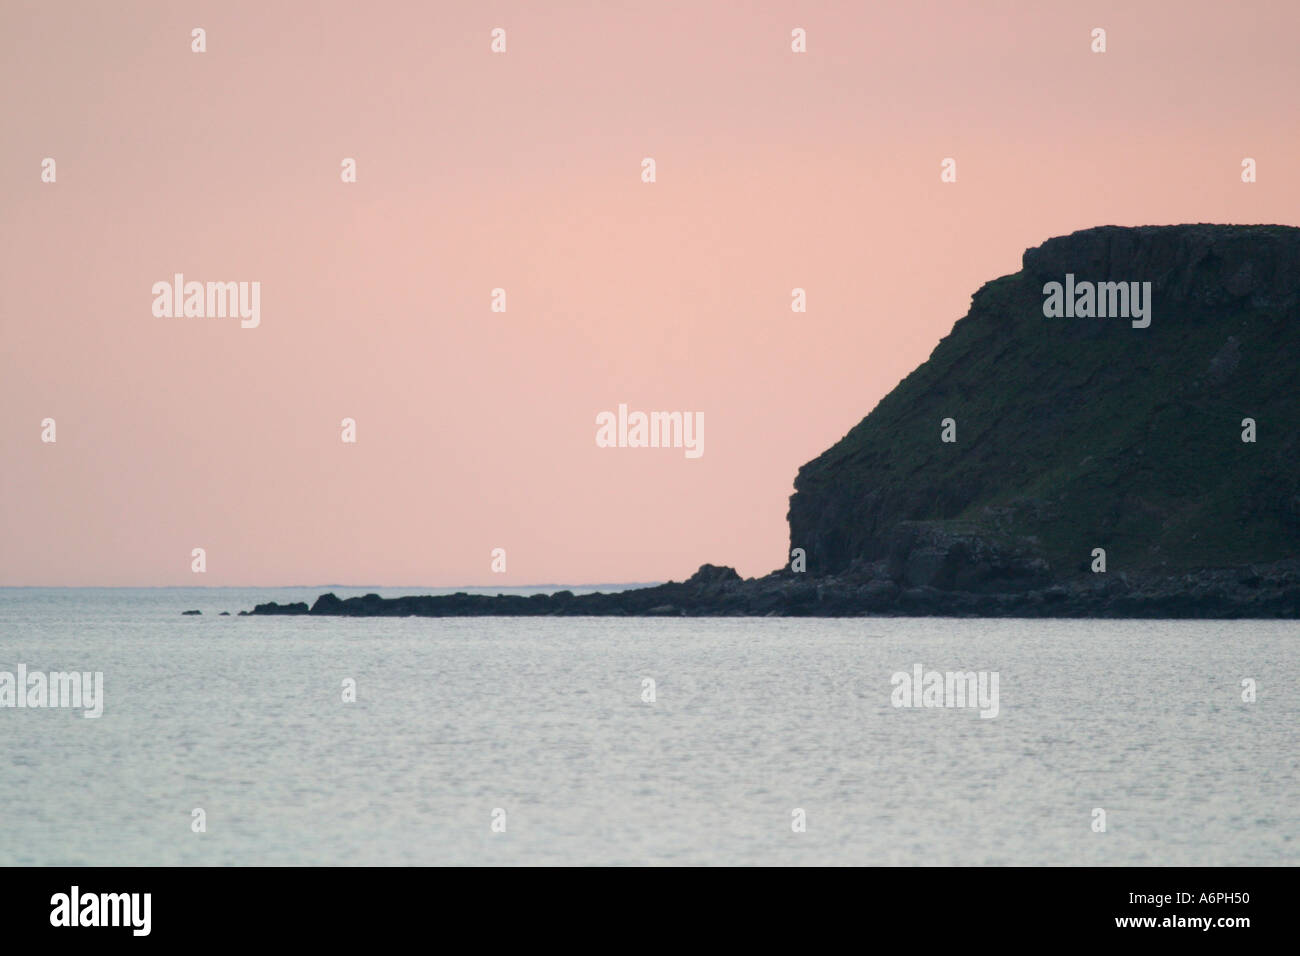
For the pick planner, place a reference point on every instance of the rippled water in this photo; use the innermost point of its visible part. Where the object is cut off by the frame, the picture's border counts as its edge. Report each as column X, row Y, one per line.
column 544, row 719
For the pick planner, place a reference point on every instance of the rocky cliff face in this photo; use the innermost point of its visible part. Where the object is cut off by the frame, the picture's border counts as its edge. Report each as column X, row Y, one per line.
column 1081, row 433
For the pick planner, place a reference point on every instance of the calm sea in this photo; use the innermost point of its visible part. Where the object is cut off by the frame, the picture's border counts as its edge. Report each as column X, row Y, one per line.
column 543, row 725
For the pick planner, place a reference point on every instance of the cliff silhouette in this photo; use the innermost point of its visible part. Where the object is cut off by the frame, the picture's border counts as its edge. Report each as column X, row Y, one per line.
column 1069, row 435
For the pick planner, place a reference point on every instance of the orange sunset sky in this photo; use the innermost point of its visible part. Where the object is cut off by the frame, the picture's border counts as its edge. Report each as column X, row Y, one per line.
column 522, row 170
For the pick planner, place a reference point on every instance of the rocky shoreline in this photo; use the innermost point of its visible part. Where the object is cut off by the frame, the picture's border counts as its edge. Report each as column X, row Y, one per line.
column 869, row 590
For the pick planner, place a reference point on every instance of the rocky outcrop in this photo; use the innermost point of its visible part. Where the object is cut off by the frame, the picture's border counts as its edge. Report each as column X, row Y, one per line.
column 1081, row 433
column 272, row 608
column 1193, row 266
column 869, row 589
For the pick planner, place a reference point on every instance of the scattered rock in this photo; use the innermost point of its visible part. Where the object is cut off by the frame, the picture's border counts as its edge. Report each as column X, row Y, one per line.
column 713, row 574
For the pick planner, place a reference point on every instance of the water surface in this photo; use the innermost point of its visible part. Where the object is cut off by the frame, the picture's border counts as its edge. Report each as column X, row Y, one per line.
column 544, row 719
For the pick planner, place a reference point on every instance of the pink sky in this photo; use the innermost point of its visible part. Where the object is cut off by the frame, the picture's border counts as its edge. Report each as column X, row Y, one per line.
column 522, row 170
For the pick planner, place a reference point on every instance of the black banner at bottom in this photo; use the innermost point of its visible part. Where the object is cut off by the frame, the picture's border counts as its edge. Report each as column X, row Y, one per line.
column 943, row 907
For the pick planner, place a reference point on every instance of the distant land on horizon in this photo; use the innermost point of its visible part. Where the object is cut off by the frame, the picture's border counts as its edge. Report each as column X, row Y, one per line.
column 1043, row 463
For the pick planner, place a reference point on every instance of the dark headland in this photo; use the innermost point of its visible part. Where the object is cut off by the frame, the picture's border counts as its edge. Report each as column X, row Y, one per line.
column 1072, row 434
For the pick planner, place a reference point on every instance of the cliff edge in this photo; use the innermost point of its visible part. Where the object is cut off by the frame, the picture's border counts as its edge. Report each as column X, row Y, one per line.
column 1079, row 432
